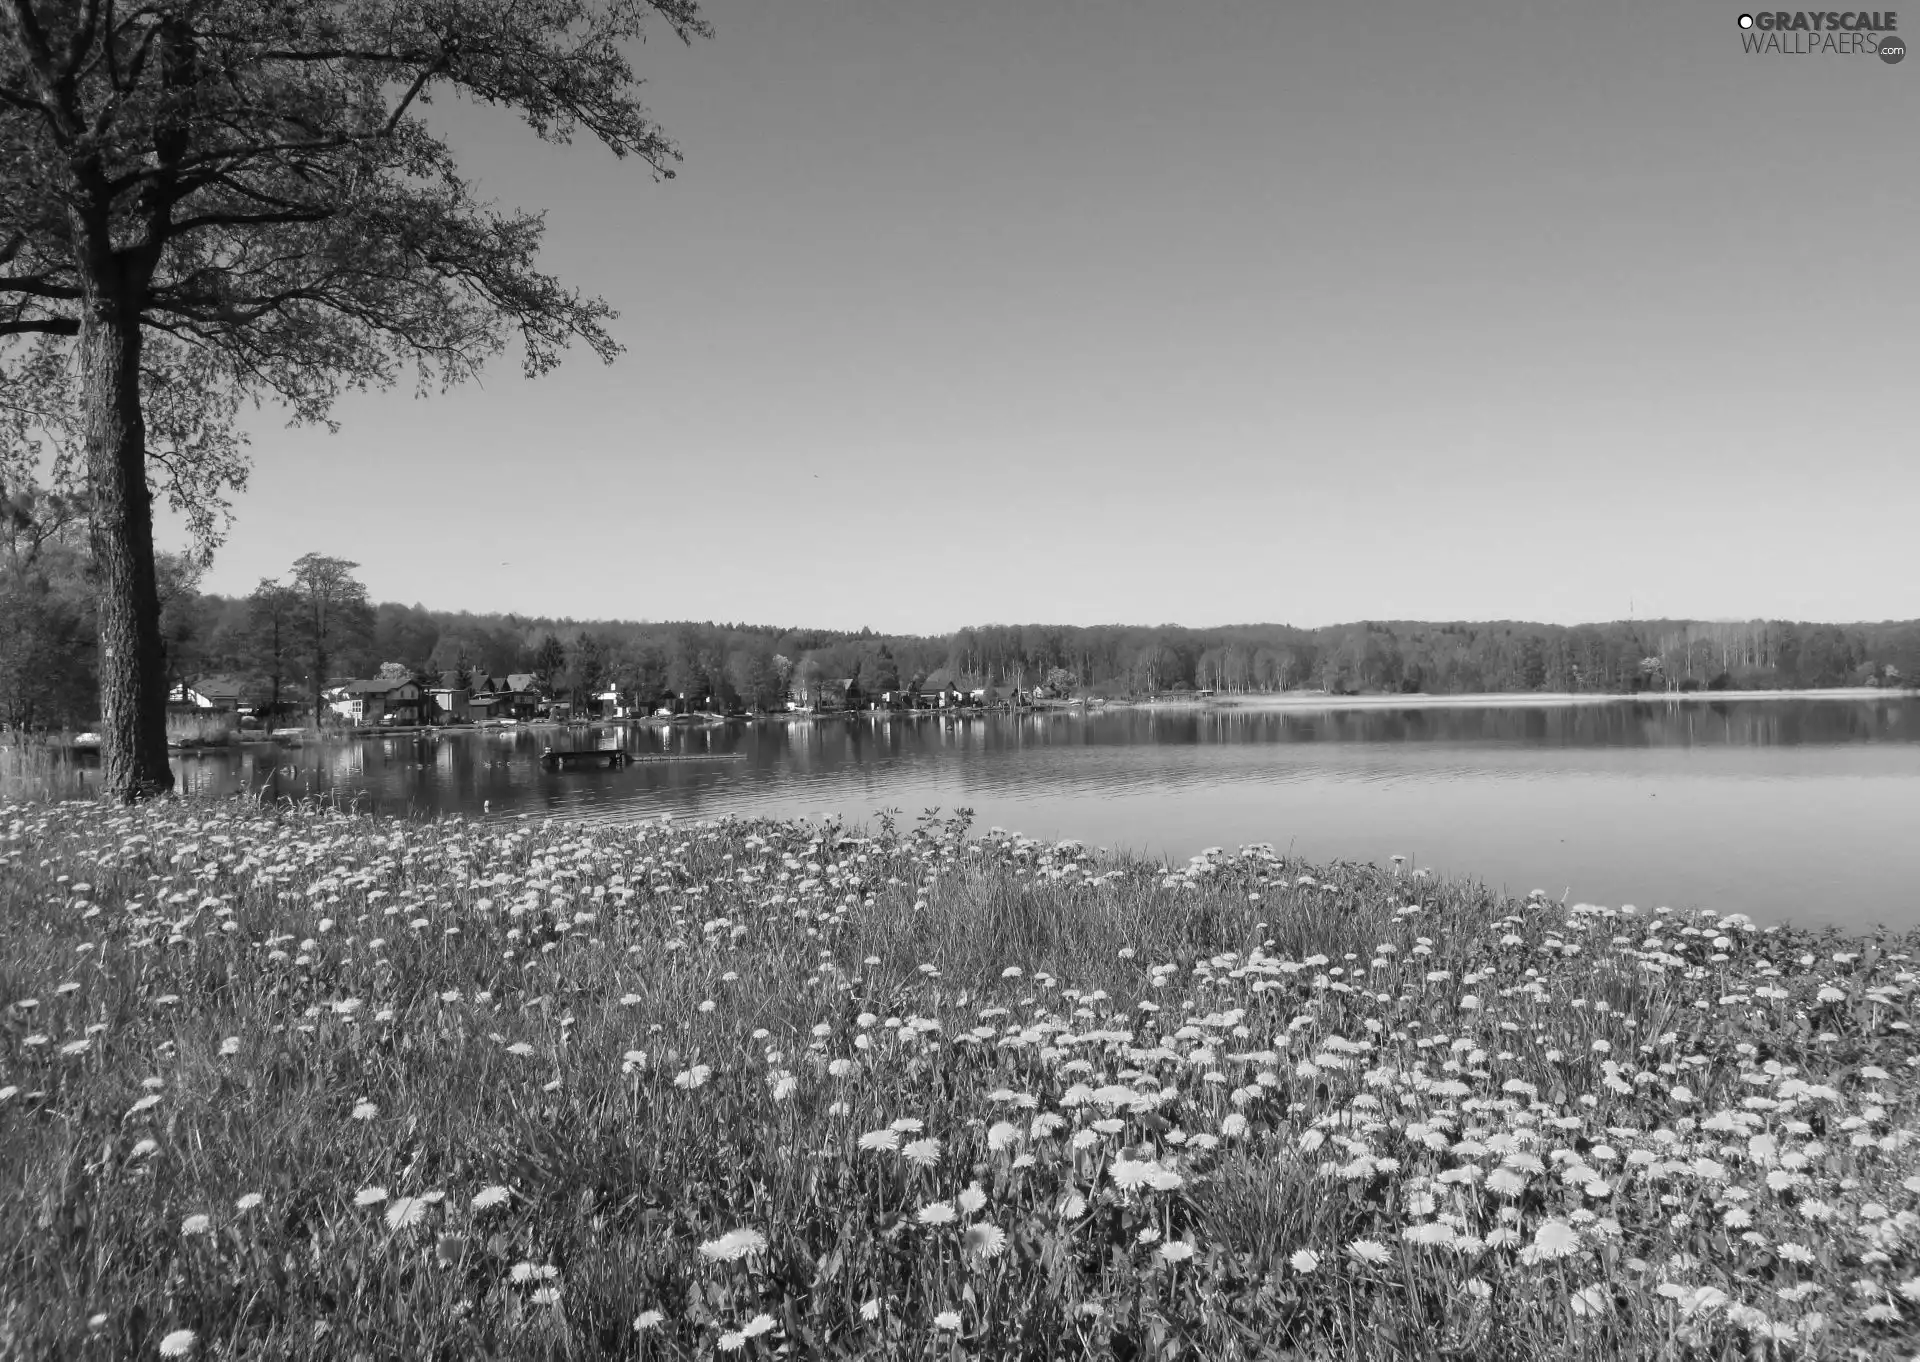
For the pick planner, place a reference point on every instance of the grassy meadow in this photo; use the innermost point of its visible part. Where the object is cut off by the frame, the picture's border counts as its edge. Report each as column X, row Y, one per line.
column 286, row 1083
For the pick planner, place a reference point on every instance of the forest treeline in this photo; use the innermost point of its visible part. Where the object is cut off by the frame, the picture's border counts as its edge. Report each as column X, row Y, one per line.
column 269, row 642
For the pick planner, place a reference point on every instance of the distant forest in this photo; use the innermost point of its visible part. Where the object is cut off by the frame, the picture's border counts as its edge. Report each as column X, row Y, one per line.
column 1135, row 660
column 757, row 665
column 265, row 641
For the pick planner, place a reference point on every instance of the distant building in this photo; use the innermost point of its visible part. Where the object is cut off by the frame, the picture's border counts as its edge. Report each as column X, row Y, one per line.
column 395, row 700
column 521, row 696
column 608, row 704
column 827, row 695
column 451, row 704
column 938, row 691
column 210, row 695
column 1010, row 697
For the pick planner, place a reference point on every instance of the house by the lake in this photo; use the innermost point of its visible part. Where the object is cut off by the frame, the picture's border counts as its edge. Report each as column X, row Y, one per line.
column 522, row 696
column 938, row 691
column 1000, row 697
column 211, row 695
column 396, row 700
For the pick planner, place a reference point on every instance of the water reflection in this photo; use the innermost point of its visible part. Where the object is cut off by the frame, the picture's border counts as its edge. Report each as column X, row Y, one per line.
column 1801, row 808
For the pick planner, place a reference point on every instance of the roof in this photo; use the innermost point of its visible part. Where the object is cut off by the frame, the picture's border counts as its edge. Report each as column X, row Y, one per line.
column 220, row 687
column 379, row 685
column 941, row 679
column 522, row 681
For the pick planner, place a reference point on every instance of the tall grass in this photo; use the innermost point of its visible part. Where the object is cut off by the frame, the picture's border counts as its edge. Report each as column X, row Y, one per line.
column 296, row 1084
column 203, row 730
column 33, row 768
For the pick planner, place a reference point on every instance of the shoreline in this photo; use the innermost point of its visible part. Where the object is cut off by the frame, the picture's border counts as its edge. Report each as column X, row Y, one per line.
column 1507, row 699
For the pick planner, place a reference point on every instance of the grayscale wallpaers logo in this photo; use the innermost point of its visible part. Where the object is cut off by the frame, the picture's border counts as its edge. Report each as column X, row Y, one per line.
column 1790, row 33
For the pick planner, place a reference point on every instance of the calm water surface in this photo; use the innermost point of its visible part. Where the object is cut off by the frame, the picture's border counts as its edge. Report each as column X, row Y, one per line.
column 1799, row 809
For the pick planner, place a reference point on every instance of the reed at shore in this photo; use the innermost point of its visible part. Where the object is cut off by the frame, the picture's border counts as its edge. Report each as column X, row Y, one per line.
column 285, row 1082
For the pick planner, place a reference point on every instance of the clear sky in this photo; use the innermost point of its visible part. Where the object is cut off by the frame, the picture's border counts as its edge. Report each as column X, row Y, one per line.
column 1088, row 311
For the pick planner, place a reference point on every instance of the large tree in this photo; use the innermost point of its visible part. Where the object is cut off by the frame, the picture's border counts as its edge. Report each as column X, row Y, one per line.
column 333, row 610
column 273, row 622
column 207, row 199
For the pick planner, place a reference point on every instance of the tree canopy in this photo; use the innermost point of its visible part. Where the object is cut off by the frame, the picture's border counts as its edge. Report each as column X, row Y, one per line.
column 206, row 201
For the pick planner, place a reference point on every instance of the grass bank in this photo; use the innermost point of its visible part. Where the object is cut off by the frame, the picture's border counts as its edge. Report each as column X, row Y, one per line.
column 295, row 1084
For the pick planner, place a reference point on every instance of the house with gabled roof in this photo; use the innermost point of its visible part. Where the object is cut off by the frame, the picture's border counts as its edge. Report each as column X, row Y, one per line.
column 211, row 695
column 937, row 690
column 382, row 699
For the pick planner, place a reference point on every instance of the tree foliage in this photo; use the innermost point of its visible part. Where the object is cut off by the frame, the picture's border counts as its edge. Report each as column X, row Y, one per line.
column 204, row 202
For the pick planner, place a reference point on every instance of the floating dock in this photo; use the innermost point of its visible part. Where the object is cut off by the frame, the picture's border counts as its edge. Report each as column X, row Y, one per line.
column 588, row 756
column 571, row 758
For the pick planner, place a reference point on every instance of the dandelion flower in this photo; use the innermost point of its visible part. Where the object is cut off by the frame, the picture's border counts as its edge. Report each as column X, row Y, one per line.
column 972, row 1200
column 733, row 1245
column 1554, row 1239
column 730, row 1342
column 405, row 1212
column 938, row 1213
column 947, row 1319
column 488, row 1197
column 882, row 1140
column 692, row 1078
column 1176, row 1251
column 984, row 1240
column 1304, row 1260
column 196, row 1224
column 179, row 1343
column 647, row 1319
column 870, row 1311
column 757, row 1326
column 1001, row 1134
column 1506, row 1182
column 1367, row 1252
column 547, row 1295
column 910, row 1124
column 922, row 1153
column 248, row 1202
column 370, row 1196
column 365, row 1111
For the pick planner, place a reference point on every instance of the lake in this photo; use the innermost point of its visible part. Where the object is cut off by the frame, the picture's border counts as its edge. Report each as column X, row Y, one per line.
column 1800, row 809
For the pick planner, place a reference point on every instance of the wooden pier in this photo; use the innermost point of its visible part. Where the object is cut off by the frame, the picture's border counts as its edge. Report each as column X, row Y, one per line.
column 573, row 758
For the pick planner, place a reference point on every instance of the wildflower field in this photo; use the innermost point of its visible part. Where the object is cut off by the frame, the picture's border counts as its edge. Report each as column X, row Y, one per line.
column 291, row 1083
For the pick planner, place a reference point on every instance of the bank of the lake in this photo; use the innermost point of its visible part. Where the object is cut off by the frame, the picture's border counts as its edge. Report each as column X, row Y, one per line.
column 299, row 1083
column 1312, row 700
column 1782, row 809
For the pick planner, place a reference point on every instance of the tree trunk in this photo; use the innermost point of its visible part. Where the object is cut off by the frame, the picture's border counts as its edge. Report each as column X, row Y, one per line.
column 133, row 700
